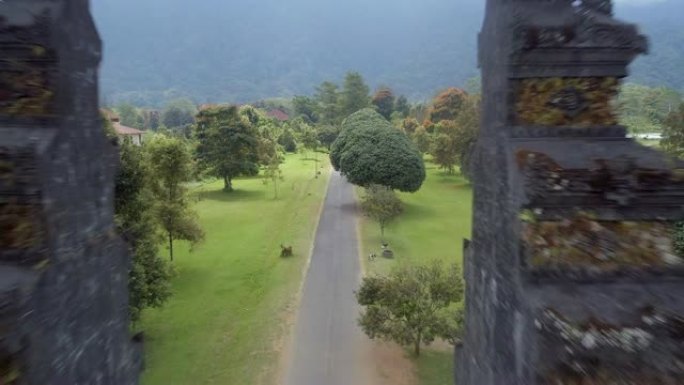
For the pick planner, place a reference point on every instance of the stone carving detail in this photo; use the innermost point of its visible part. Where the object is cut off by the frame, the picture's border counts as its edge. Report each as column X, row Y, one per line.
column 566, row 101
column 595, row 351
column 585, row 28
column 584, row 241
column 21, row 226
column 609, row 182
column 569, row 213
column 570, row 101
column 27, row 66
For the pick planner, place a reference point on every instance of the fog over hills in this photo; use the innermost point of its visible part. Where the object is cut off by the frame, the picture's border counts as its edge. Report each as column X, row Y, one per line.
column 238, row 51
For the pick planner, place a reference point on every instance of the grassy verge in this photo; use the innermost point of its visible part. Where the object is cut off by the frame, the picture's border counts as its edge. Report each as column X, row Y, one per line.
column 233, row 293
column 435, row 221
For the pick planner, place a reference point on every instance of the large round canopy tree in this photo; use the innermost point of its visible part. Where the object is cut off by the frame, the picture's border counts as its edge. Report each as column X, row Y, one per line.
column 369, row 151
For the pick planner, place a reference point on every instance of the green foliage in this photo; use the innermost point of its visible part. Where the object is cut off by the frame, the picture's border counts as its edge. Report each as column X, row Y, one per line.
column 412, row 305
column 446, row 105
column 327, row 135
column 383, row 101
column 409, row 125
column 306, row 107
column 422, row 140
column 273, row 173
column 129, row 115
column 381, row 205
column 149, row 277
column 171, row 166
column 151, row 119
column 402, row 106
column 673, row 132
column 288, row 141
column 370, row 151
column 455, row 139
column 309, row 138
column 355, row 94
column 178, row 113
column 644, row 109
column 444, row 151
column 228, row 143
column 328, row 97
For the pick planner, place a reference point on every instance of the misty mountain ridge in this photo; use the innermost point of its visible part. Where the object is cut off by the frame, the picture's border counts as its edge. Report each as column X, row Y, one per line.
column 229, row 51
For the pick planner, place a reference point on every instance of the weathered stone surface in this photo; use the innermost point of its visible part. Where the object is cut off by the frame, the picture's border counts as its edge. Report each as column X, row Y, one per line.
column 63, row 270
column 571, row 277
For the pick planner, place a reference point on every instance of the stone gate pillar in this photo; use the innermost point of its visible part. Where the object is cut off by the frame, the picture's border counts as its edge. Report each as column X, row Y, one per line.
column 63, row 270
column 572, row 274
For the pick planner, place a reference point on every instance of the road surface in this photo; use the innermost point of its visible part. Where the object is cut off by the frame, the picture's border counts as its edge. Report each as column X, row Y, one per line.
column 328, row 347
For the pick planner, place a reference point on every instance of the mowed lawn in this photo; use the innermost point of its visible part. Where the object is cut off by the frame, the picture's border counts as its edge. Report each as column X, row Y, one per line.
column 435, row 221
column 233, row 294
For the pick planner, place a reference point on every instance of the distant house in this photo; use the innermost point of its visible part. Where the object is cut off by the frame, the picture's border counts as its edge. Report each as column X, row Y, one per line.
column 278, row 114
column 123, row 132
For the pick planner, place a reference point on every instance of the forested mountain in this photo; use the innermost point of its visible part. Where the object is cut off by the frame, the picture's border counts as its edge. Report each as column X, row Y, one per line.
column 240, row 51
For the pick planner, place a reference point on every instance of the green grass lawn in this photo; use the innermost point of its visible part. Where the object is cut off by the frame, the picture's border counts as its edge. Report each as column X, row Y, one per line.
column 435, row 221
column 226, row 320
column 433, row 225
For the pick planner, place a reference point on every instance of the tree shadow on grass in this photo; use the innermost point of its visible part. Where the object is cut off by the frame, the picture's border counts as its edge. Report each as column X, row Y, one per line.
column 234, row 196
column 416, row 211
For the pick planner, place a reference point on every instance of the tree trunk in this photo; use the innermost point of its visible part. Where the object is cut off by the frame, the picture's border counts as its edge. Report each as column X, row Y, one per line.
column 382, row 232
column 171, row 246
column 416, row 346
column 227, row 184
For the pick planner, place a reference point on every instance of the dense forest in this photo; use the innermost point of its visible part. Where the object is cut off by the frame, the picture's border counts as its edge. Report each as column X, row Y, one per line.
column 230, row 51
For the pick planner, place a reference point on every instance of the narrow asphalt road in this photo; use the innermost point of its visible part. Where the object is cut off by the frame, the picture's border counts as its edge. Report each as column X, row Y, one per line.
column 328, row 347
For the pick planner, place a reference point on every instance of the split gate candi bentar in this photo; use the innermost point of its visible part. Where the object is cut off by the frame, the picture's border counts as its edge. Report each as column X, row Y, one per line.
column 572, row 273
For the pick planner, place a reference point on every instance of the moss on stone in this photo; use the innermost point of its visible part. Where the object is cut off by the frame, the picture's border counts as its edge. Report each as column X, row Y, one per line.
column 535, row 96
column 584, row 241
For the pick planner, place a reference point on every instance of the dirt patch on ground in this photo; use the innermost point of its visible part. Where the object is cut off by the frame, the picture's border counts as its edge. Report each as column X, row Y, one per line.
column 390, row 365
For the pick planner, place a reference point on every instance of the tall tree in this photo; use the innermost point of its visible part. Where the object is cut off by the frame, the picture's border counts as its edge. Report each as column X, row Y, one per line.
column 383, row 101
column 422, row 140
column 673, row 132
column 152, row 119
column 309, row 139
column 228, row 144
column 412, row 305
column 369, row 150
column 273, row 173
column 446, row 105
column 178, row 113
column 409, row 125
column 355, row 94
column 328, row 97
column 149, row 276
column 327, row 135
column 307, row 108
column 402, row 106
column 455, row 138
column 381, row 205
column 171, row 165
column 444, row 151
